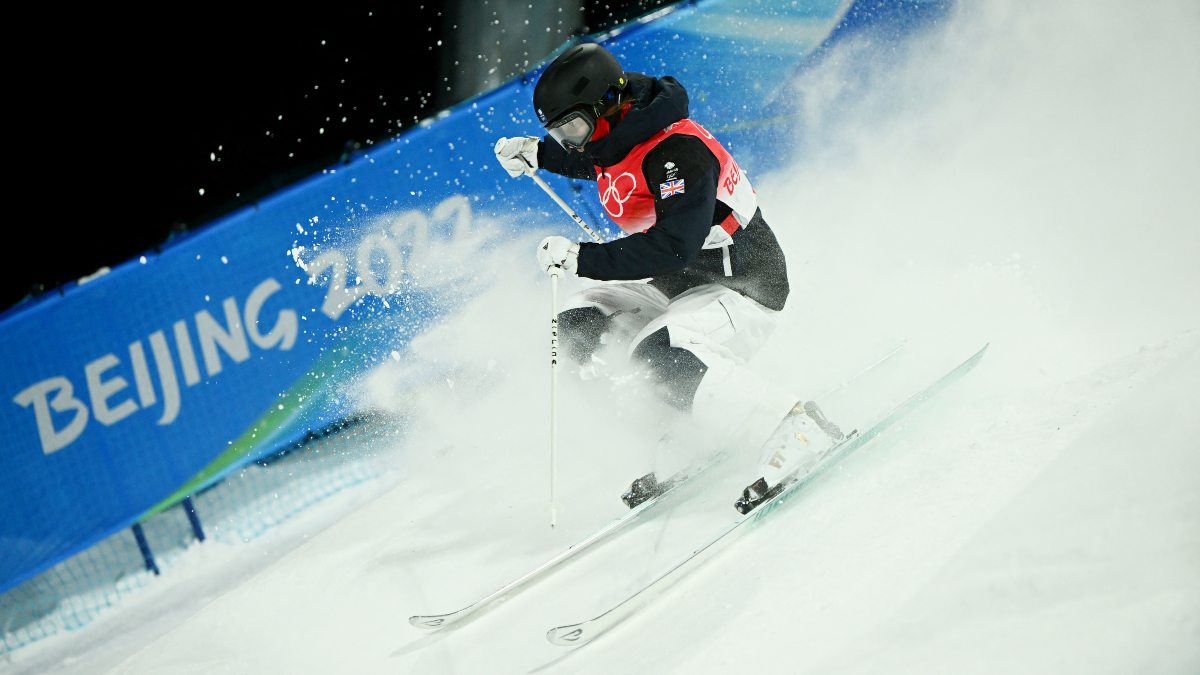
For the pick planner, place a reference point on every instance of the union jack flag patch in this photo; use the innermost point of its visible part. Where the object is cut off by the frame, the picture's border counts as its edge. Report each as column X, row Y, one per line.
column 671, row 187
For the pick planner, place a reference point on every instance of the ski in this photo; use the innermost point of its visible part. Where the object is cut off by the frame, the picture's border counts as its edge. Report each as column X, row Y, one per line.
column 580, row 633
column 664, row 489
column 643, row 495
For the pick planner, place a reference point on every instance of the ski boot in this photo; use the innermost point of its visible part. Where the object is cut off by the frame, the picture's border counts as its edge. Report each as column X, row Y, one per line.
column 646, row 487
column 756, row 493
column 799, row 442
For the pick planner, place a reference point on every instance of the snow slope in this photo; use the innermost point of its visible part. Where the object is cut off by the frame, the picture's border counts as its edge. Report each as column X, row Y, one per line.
column 1026, row 177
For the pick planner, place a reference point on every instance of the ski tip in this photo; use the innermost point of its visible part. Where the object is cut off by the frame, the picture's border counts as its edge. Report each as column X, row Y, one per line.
column 427, row 622
column 568, row 636
column 979, row 354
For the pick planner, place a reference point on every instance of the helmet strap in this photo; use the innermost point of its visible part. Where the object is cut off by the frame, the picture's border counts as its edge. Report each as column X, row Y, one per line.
column 602, row 129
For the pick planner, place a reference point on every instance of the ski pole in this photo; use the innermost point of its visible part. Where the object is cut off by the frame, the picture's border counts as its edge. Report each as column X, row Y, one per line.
column 554, row 274
column 570, row 212
column 558, row 200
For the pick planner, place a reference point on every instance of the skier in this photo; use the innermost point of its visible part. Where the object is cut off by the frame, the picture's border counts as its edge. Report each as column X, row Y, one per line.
column 717, row 276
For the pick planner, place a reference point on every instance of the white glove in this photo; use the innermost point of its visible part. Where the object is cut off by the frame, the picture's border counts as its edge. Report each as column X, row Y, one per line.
column 518, row 155
column 558, row 252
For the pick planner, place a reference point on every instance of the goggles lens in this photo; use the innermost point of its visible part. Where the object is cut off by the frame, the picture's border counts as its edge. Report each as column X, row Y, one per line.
column 573, row 131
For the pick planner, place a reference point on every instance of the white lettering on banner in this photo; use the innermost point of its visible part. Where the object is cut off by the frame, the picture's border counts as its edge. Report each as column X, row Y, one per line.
column 232, row 339
column 283, row 333
column 337, row 298
column 64, row 401
column 166, row 373
column 109, row 394
column 187, row 355
column 379, row 265
column 102, row 391
column 141, row 375
column 407, row 246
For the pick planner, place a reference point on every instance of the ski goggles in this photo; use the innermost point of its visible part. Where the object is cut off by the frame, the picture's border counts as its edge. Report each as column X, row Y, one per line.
column 573, row 130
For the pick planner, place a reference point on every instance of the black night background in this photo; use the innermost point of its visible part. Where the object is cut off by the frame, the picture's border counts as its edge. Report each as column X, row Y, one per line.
column 137, row 125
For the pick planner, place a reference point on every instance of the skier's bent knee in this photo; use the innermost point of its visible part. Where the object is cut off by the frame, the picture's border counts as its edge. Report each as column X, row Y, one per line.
column 579, row 332
column 677, row 371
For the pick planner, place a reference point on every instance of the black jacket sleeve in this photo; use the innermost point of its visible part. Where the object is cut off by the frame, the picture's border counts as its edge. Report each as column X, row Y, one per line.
column 683, row 219
column 553, row 158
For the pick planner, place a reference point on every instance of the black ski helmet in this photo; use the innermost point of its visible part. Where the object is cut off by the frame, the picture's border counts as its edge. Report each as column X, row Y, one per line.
column 580, row 76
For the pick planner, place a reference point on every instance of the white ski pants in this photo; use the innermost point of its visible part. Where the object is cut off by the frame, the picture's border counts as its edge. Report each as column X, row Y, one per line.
column 720, row 327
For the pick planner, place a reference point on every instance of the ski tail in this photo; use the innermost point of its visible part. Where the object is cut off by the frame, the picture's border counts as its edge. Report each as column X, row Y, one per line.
column 672, row 485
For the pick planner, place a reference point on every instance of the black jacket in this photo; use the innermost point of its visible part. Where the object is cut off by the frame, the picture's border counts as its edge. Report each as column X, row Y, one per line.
column 672, row 250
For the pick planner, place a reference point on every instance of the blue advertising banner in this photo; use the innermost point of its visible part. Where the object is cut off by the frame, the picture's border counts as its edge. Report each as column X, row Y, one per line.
column 152, row 380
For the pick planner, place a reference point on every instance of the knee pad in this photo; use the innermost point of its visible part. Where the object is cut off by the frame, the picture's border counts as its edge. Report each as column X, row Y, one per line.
column 579, row 332
column 677, row 371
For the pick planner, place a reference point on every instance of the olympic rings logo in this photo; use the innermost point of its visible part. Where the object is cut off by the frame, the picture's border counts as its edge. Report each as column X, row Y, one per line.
column 612, row 194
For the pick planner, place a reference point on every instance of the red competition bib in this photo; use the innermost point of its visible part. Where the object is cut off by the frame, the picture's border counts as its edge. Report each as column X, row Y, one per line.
column 629, row 201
